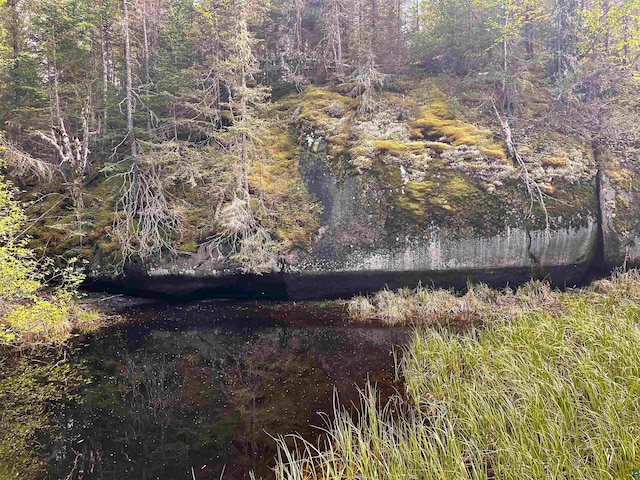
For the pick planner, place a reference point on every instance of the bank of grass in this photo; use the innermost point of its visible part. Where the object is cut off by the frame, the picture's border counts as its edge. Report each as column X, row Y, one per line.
column 426, row 305
column 547, row 388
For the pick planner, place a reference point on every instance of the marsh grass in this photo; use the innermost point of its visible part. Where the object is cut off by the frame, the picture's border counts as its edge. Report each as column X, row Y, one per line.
column 426, row 305
column 549, row 389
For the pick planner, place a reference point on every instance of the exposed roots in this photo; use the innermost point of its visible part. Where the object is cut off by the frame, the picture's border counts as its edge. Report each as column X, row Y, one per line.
column 145, row 221
column 242, row 238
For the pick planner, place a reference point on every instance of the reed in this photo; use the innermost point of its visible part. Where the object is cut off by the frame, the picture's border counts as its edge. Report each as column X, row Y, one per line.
column 426, row 305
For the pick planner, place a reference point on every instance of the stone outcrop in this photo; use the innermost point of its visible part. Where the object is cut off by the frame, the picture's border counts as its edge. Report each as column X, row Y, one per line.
column 425, row 196
column 619, row 188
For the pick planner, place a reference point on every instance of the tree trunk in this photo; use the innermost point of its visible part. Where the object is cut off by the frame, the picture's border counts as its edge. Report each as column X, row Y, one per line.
column 105, row 76
column 129, row 82
column 14, row 34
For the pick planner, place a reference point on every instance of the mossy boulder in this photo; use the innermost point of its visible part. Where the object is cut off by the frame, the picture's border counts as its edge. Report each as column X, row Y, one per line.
column 430, row 190
column 423, row 183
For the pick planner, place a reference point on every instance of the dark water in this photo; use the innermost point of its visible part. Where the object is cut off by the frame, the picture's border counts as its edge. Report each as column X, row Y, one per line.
column 188, row 390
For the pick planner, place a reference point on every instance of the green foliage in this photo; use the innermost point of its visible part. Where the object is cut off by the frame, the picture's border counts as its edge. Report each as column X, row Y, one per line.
column 28, row 313
column 610, row 29
column 546, row 392
column 19, row 275
column 29, row 394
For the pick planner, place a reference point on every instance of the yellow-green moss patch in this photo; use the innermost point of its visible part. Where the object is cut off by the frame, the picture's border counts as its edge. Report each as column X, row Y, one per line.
column 398, row 148
column 295, row 216
column 414, row 199
column 554, row 162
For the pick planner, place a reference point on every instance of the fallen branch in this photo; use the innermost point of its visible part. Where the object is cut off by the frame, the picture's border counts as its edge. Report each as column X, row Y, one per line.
column 533, row 189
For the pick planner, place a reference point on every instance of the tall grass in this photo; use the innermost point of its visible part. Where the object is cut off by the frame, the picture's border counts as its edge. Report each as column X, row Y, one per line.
column 545, row 394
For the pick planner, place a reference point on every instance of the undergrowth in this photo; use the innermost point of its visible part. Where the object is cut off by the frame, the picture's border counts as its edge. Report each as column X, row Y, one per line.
column 547, row 388
column 33, row 312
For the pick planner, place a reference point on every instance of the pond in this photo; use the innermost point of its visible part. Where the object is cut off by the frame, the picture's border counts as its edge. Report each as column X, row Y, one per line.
column 198, row 390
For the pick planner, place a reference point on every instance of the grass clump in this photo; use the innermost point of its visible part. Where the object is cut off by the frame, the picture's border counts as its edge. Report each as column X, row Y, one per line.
column 426, row 305
column 545, row 393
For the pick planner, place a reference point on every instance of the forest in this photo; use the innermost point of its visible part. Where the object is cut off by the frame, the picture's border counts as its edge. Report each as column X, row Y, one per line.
column 149, row 126
column 313, row 171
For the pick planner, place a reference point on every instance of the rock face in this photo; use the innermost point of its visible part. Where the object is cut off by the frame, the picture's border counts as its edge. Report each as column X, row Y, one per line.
column 618, row 155
column 354, row 239
column 359, row 248
column 355, row 249
column 418, row 194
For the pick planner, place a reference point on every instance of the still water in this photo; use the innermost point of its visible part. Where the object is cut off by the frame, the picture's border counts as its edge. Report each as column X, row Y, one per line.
column 188, row 391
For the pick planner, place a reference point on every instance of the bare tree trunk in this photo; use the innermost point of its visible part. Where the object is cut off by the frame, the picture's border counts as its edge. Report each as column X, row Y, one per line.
column 14, row 34
column 147, row 62
column 626, row 58
column 332, row 20
column 298, row 26
column 607, row 34
column 145, row 35
column 105, row 76
column 129, row 99
column 533, row 189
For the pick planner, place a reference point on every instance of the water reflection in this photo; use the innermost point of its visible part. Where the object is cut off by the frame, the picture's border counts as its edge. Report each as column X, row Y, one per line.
column 192, row 389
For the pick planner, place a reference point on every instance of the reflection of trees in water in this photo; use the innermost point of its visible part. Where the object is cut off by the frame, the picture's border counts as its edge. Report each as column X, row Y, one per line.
column 143, row 420
column 244, row 377
column 272, row 385
column 156, row 411
column 151, row 392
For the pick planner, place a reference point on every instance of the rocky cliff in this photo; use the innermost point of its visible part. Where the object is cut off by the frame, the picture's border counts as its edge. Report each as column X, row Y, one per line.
column 422, row 189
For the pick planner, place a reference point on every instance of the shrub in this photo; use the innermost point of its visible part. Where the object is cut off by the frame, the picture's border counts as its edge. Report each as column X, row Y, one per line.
column 31, row 314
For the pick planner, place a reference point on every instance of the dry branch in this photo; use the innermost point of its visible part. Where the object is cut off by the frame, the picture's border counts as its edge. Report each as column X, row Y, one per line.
column 145, row 221
column 533, row 189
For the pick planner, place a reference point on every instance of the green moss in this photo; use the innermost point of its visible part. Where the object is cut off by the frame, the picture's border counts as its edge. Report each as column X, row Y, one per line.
column 436, row 126
column 295, row 217
column 314, row 105
column 398, row 149
column 438, row 147
column 414, row 199
column 188, row 246
column 458, row 188
column 416, row 134
column 497, row 153
column 440, row 109
column 437, row 123
column 345, row 88
column 60, row 231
